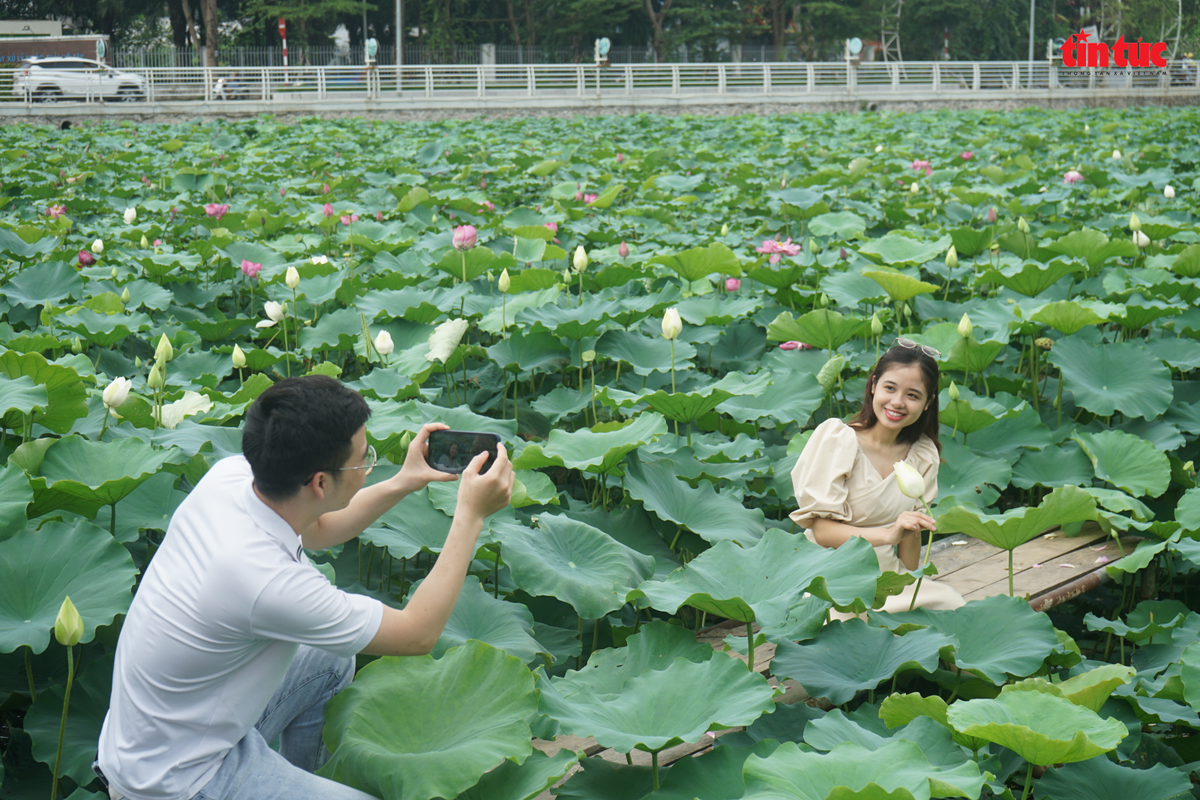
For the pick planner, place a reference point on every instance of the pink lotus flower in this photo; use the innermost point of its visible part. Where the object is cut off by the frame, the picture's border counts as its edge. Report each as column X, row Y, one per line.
column 967, row 155
column 325, row 188
column 86, row 259
column 1072, row 176
column 553, row 226
column 623, row 250
column 216, row 210
column 732, row 284
column 579, row 195
column 349, row 218
column 589, row 198
column 55, row 212
column 379, row 216
column 157, row 242
column 991, row 215
column 465, row 237
column 250, row 269
column 795, row 346
column 327, row 209
column 923, row 165
column 778, row 249
column 483, row 183
column 489, row 206
column 620, row 158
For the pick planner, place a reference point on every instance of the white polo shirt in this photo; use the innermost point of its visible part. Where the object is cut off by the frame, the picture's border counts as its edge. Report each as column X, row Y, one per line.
column 214, row 625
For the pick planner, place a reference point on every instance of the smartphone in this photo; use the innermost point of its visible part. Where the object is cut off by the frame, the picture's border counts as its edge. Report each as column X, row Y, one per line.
column 452, row 451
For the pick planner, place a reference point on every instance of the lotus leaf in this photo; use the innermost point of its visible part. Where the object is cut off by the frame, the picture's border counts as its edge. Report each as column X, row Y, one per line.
column 689, row 406
column 410, row 527
column 530, row 353
column 1093, row 247
column 89, row 704
column 574, row 562
column 896, row 770
column 478, row 260
column 15, row 495
column 511, row 781
column 1100, row 779
column 41, row 284
column 825, row 329
column 39, row 568
column 21, row 396
column 1069, row 316
column 1041, row 728
column 480, row 617
column 714, row 775
column 1057, row 465
column 82, row 475
column 577, row 322
column 969, row 477
column 847, row 657
column 768, row 578
column 711, row 309
column 1013, row 528
column 1126, row 461
column 417, row 728
column 1090, row 689
column 900, row 287
column 65, row 391
column 598, row 451
column 997, row 636
column 655, row 646
column 897, row 248
column 660, row 708
column 970, row 412
column 644, row 353
column 959, row 353
column 1030, row 278
column 898, row 710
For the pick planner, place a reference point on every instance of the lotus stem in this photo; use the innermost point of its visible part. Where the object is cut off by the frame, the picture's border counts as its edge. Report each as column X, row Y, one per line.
column 112, row 521
column 1010, row 573
column 62, row 726
column 496, row 575
column 654, row 764
column 104, row 426
column 1028, row 782
column 29, row 673
column 370, row 565
column 750, row 645
column 595, row 635
column 579, row 658
column 924, row 563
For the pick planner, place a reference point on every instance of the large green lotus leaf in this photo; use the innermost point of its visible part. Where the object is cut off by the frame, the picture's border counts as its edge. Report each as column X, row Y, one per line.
column 661, row 708
column 852, row 289
column 781, row 276
column 715, row 309
column 825, row 329
column 15, row 495
column 1100, row 779
column 627, row 310
column 573, row 561
column 479, row 616
column 512, row 781
column 632, row 526
column 575, row 322
column 900, row 287
column 1057, row 465
column 654, row 647
column 896, row 248
column 42, row 284
column 713, row 775
column 66, row 392
column 533, row 489
column 1069, row 316
column 896, row 771
column 1030, row 278
column 1127, row 461
column 843, row 224
column 898, row 710
column 414, row 525
column 971, row 412
column 40, row 568
column 784, row 402
column 743, row 582
column 1122, row 377
column 85, row 716
column 691, row 405
column 1189, row 674
column 967, row 354
column 712, row 516
column 530, row 353
column 417, row 728
column 1041, row 728
column 81, row 475
column 1093, row 247
column 700, row 262
column 478, row 260
column 997, row 636
column 529, row 250
column 598, row 779
column 104, row 330
column 1187, row 512
column 22, row 396
column 1064, row 505
column 645, row 354
column 970, row 477
column 590, row 449
column 1137, row 312
column 1010, row 437
column 969, row 241
column 421, row 306
column 1089, row 689
column 850, row 656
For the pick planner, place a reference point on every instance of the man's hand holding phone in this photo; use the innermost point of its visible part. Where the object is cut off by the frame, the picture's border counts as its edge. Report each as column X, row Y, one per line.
column 485, row 493
column 416, row 473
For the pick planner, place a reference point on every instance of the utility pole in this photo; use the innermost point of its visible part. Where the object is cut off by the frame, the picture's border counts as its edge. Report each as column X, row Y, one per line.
column 1032, row 4
column 399, row 33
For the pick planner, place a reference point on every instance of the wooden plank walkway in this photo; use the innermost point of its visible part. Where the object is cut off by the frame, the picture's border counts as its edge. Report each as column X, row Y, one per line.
column 1048, row 570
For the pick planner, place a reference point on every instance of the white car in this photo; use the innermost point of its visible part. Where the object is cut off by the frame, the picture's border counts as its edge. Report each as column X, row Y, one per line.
column 50, row 78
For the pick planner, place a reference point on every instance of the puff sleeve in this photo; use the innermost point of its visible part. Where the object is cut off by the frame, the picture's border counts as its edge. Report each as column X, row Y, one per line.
column 821, row 475
column 926, row 459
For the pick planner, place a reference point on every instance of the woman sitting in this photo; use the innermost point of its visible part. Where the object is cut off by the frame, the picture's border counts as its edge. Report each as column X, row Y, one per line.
column 845, row 482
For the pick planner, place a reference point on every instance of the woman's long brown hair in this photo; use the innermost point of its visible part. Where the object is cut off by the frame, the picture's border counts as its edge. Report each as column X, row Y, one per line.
column 927, row 423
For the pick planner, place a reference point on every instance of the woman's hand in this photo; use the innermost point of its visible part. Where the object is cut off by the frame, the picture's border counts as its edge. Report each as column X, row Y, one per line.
column 910, row 523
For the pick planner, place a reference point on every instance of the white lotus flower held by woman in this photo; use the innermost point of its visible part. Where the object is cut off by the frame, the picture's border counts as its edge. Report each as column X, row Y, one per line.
column 292, row 278
column 130, row 216
column 445, row 339
column 909, row 480
column 116, row 392
column 672, row 325
column 384, row 344
column 1141, row 239
column 275, row 313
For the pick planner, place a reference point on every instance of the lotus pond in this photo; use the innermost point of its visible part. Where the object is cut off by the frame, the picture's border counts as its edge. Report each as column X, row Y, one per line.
column 653, row 474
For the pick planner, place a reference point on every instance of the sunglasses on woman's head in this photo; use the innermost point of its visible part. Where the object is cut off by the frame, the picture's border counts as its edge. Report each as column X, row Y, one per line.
column 910, row 344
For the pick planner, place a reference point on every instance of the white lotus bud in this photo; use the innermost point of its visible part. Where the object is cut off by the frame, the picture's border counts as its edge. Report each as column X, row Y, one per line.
column 505, row 282
column 580, row 262
column 964, row 326
column 725, row 230
column 125, row 295
column 909, row 480
column 876, row 325
column 130, row 216
column 68, row 627
column 76, row 345
column 951, row 257
column 1169, row 192
column 1141, row 239
column 98, row 246
column 239, row 357
column 157, row 376
column 292, row 278
column 384, row 344
column 1022, row 225
column 144, row 243
column 914, row 188
column 953, row 391
column 164, row 351
column 115, row 393
column 567, row 277
column 878, row 148
column 1116, row 155
column 113, row 274
column 1135, row 224
column 672, row 325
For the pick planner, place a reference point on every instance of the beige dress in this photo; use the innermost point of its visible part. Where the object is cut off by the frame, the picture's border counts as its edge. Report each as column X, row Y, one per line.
column 834, row 479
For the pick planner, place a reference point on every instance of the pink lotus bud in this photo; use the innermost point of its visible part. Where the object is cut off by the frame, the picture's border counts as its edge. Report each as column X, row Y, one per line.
column 157, row 242
column 327, row 209
column 489, row 206
column 623, row 250
column 732, row 285
column 325, row 188
column 464, row 237
column 86, row 259
column 789, row 346
column 282, row 192
column 589, row 198
column 967, row 155
column 620, row 158
column 991, row 215
column 250, row 269
column 579, row 195
column 483, row 183
column 843, row 253
column 379, row 216
column 553, row 226
column 216, row 210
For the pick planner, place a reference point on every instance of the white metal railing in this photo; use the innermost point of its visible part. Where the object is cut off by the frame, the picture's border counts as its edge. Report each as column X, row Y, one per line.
column 794, row 80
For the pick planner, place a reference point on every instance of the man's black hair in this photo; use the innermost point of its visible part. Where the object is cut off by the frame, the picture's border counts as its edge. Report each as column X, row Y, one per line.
column 298, row 427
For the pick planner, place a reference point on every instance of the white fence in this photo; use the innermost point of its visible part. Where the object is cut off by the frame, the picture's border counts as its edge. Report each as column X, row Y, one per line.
column 566, row 84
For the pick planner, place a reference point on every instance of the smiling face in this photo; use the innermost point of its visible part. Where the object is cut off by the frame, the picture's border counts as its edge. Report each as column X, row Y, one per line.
column 900, row 396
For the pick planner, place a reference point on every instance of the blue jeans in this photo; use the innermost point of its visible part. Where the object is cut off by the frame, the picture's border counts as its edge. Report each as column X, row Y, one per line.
column 295, row 715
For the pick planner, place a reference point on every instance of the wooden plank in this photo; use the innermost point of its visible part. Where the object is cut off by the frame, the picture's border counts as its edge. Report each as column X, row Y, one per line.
column 988, row 571
column 1033, row 581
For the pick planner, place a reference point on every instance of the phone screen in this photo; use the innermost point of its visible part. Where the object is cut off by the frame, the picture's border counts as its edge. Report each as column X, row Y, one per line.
column 452, row 451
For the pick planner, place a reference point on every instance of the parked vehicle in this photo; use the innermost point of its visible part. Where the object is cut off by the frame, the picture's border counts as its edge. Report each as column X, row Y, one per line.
column 53, row 78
